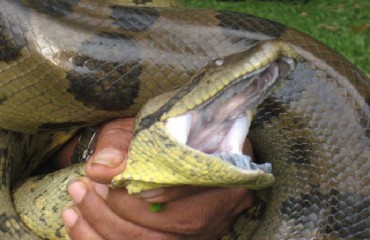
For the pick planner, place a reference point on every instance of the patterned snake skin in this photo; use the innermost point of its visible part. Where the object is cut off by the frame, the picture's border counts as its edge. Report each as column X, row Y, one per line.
column 73, row 63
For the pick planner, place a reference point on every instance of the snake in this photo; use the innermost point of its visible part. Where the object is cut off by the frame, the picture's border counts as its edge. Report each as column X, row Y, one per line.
column 70, row 64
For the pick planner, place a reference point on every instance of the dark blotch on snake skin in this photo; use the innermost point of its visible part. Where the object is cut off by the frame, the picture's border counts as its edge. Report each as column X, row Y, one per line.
column 336, row 214
column 9, row 228
column 268, row 110
column 4, row 168
column 3, row 99
column 139, row 2
column 10, row 46
column 55, row 209
column 54, row 8
column 134, row 19
column 231, row 22
column 7, row 157
column 63, row 125
column 300, row 151
column 102, row 84
column 58, row 232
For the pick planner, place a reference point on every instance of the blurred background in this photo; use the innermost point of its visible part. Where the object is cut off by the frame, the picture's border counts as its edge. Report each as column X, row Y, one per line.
column 342, row 24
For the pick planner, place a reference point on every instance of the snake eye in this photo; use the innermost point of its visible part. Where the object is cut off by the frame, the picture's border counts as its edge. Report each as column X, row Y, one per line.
column 218, row 62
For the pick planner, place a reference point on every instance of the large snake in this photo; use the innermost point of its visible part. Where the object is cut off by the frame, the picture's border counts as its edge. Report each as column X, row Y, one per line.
column 69, row 64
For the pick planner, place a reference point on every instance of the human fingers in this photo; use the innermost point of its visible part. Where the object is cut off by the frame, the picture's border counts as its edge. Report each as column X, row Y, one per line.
column 195, row 214
column 77, row 227
column 200, row 219
column 110, row 153
column 111, row 150
column 161, row 195
column 89, row 200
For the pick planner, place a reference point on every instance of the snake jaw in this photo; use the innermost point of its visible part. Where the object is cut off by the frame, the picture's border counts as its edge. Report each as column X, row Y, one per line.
column 194, row 135
column 231, row 141
column 179, row 127
column 221, row 124
column 235, row 138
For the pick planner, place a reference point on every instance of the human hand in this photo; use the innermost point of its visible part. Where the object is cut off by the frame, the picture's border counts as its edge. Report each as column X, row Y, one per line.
column 104, row 213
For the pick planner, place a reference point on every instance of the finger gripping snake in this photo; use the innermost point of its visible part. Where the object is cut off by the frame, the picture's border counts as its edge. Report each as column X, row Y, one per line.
column 68, row 64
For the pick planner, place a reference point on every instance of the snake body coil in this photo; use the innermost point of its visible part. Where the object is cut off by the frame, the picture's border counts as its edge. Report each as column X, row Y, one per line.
column 65, row 65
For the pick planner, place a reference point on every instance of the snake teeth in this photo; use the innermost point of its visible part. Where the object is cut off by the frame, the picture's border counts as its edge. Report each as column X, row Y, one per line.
column 234, row 140
column 179, row 127
column 230, row 140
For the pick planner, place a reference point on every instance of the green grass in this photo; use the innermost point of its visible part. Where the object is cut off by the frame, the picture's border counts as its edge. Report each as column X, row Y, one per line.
column 342, row 24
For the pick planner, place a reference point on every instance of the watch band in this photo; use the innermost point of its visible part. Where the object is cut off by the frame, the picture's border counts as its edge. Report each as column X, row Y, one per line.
column 85, row 145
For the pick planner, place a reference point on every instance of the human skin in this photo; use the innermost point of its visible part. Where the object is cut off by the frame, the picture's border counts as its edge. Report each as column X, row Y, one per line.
column 101, row 212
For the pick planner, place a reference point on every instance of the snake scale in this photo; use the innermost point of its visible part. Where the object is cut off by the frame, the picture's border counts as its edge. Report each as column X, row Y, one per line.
column 69, row 64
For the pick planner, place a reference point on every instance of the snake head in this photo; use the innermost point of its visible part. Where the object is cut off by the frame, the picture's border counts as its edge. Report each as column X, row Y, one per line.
column 194, row 135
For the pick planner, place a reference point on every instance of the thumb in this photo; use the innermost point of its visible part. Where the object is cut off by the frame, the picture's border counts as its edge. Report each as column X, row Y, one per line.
column 111, row 150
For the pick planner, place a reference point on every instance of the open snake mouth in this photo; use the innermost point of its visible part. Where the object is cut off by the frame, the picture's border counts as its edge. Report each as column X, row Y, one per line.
column 220, row 125
column 194, row 135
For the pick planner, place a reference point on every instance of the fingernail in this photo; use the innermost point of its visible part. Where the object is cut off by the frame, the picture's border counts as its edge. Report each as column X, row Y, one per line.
column 77, row 190
column 102, row 190
column 151, row 193
column 70, row 217
column 109, row 157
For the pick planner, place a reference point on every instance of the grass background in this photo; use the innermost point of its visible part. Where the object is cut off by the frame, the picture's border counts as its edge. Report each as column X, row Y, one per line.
column 342, row 24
